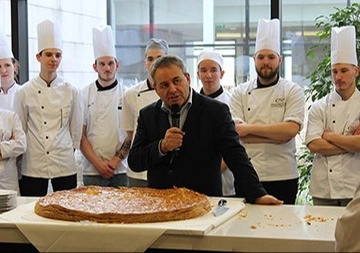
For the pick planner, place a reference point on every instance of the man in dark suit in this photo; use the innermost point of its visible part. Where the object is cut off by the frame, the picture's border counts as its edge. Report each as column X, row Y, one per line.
column 189, row 154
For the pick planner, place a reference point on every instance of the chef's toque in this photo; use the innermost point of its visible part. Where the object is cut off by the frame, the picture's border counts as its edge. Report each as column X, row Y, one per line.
column 268, row 35
column 103, row 42
column 213, row 56
column 343, row 45
column 5, row 51
column 49, row 36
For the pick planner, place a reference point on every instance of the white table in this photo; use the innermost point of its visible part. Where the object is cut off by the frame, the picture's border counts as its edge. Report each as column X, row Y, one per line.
column 265, row 229
column 255, row 228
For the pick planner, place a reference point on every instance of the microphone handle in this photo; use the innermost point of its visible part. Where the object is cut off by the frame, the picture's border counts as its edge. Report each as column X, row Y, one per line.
column 175, row 121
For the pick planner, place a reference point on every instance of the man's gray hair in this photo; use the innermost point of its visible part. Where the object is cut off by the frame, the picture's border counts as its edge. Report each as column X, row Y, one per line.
column 167, row 61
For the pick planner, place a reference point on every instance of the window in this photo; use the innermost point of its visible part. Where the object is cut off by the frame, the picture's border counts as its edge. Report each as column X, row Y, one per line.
column 190, row 26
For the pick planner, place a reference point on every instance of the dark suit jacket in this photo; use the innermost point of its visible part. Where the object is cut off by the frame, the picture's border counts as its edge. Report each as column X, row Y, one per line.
column 209, row 135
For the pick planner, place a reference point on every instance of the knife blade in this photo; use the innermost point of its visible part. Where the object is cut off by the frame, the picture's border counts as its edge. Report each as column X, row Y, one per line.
column 220, row 209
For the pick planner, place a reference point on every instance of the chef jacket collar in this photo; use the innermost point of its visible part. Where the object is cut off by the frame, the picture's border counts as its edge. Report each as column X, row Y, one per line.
column 149, row 85
column 259, row 85
column 100, row 88
column 215, row 94
column 149, row 88
column 11, row 86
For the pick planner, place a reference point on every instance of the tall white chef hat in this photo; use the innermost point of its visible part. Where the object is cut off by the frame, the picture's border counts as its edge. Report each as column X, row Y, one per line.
column 5, row 51
column 211, row 55
column 49, row 35
column 343, row 45
column 103, row 42
column 268, row 35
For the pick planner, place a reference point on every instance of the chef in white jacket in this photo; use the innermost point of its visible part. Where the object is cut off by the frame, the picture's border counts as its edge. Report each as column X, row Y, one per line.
column 50, row 111
column 333, row 123
column 12, row 144
column 103, row 144
column 269, row 113
column 9, row 67
column 139, row 96
column 210, row 71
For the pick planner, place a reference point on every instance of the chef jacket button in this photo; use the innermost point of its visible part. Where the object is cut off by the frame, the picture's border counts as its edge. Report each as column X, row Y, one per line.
column 47, row 152
column 334, row 121
column 248, row 109
column 45, row 123
column 249, row 93
column 170, row 172
column 333, row 105
column 39, row 91
column 47, row 137
column 330, row 170
column 42, row 107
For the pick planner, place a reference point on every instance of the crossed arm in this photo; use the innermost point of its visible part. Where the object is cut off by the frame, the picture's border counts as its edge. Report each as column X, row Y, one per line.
column 270, row 133
column 333, row 143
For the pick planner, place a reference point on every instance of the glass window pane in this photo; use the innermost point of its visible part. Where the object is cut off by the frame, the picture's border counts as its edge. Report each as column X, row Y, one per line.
column 5, row 19
column 299, row 33
column 229, row 26
column 189, row 27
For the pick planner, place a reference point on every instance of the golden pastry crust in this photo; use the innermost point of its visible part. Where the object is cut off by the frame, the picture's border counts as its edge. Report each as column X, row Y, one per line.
column 123, row 205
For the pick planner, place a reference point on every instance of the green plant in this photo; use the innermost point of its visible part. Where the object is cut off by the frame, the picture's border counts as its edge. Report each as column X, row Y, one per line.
column 320, row 78
column 305, row 160
column 320, row 81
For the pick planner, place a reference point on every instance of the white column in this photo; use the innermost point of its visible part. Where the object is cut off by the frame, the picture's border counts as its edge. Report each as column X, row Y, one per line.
column 208, row 22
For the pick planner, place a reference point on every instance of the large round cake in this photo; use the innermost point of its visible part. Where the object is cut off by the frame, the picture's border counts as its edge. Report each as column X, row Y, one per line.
column 123, row 205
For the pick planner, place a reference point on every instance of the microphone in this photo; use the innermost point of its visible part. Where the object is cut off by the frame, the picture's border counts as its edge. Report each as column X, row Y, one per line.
column 175, row 119
column 175, row 115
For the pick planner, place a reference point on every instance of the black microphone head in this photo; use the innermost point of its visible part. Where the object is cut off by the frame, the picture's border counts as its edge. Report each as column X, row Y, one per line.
column 175, row 109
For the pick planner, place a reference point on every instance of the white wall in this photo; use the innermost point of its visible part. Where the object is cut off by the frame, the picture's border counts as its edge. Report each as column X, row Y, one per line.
column 77, row 18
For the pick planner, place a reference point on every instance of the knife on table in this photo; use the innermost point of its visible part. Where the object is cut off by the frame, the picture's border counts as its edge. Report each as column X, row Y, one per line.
column 220, row 209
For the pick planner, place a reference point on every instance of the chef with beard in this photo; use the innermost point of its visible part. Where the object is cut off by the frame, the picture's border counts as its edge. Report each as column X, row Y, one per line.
column 269, row 113
column 103, row 144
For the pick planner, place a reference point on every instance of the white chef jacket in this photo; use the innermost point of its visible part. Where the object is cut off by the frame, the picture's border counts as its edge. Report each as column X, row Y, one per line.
column 7, row 100
column 227, row 176
column 347, row 228
column 102, row 117
column 10, row 148
column 335, row 176
column 282, row 102
column 52, row 120
column 136, row 98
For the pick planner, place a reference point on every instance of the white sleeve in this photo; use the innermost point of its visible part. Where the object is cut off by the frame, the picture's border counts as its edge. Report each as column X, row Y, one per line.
column 316, row 122
column 295, row 106
column 13, row 142
column 76, row 123
column 237, row 104
column 20, row 108
column 128, row 110
column 347, row 228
